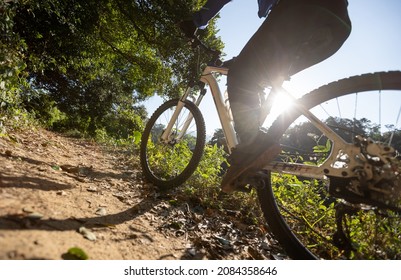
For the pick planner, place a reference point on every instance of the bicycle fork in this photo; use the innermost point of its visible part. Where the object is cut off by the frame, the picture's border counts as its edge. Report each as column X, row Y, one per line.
column 166, row 136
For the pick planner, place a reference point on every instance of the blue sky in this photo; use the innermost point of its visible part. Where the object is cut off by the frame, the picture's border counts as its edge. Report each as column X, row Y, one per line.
column 374, row 45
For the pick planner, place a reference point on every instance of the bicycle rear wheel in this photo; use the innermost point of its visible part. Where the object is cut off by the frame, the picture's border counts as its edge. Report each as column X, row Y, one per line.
column 170, row 164
column 312, row 218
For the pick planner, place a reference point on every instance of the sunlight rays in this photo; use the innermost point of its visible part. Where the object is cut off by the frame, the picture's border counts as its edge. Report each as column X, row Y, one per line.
column 282, row 102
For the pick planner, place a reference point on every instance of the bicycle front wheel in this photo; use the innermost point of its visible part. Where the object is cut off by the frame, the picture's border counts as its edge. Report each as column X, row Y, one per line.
column 170, row 163
column 315, row 218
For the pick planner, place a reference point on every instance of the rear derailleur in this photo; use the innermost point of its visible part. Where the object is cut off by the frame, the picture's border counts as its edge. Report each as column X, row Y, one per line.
column 376, row 179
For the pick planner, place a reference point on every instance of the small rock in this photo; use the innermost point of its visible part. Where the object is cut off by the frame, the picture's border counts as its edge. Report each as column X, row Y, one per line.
column 222, row 240
column 92, row 189
column 27, row 210
column 101, row 211
column 42, row 168
column 119, row 195
column 192, row 251
column 87, row 233
column 35, row 216
column 70, row 168
column 31, row 214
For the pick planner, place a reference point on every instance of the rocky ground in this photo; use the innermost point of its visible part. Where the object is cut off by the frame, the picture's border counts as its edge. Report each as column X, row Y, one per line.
column 63, row 198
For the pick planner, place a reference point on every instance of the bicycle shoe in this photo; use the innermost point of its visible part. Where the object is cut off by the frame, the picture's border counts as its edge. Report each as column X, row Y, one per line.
column 249, row 158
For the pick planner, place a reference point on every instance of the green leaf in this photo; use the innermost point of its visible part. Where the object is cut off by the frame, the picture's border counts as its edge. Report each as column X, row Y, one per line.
column 137, row 137
column 56, row 167
column 75, row 253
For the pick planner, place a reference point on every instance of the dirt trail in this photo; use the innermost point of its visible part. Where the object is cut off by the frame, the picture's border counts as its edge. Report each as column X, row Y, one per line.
column 58, row 193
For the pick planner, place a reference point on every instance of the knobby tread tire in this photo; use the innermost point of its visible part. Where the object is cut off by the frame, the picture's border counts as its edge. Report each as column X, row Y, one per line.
column 197, row 152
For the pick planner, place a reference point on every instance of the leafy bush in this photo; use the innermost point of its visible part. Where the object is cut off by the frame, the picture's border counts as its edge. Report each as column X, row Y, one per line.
column 311, row 213
column 203, row 186
column 205, row 182
column 306, row 209
column 12, row 65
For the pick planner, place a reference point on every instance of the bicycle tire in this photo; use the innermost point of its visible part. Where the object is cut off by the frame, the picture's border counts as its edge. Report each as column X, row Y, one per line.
column 182, row 163
column 271, row 207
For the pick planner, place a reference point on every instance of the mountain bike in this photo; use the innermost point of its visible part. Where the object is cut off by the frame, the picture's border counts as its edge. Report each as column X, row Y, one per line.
column 335, row 189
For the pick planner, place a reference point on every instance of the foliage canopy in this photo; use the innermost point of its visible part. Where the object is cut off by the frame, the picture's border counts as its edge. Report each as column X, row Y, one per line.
column 93, row 60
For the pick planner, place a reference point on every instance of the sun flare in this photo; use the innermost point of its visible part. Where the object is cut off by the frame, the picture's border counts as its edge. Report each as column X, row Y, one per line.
column 282, row 102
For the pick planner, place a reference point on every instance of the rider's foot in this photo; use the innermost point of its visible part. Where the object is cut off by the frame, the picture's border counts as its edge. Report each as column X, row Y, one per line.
column 249, row 158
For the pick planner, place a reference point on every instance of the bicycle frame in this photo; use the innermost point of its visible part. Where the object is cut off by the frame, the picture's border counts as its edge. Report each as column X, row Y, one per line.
column 333, row 166
column 223, row 110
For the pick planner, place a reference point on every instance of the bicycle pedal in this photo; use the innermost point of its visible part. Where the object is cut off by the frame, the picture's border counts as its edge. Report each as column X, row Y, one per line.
column 254, row 178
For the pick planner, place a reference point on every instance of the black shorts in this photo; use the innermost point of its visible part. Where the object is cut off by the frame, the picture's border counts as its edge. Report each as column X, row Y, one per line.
column 296, row 35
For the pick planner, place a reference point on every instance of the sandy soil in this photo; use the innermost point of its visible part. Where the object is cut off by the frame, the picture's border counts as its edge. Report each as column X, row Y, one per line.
column 58, row 193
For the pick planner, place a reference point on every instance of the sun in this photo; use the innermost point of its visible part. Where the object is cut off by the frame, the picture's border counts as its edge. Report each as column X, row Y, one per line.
column 282, row 102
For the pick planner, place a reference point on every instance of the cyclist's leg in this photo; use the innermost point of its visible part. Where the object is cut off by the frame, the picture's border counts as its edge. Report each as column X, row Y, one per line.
column 296, row 35
column 327, row 27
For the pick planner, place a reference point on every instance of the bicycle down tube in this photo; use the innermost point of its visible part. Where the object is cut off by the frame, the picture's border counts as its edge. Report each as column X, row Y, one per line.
column 222, row 111
column 339, row 148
